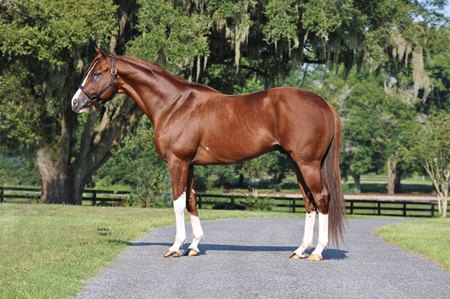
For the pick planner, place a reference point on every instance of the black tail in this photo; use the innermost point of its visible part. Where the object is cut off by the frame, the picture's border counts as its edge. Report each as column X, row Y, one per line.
column 332, row 175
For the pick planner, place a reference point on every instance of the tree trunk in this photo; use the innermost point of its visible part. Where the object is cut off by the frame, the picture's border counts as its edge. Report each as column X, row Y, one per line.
column 357, row 183
column 241, row 180
column 398, row 180
column 63, row 173
column 392, row 175
column 440, row 179
column 57, row 182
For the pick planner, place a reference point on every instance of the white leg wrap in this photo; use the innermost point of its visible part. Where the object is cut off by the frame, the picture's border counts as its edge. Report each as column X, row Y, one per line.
column 307, row 243
column 197, row 232
column 323, row 234
column 178, row 207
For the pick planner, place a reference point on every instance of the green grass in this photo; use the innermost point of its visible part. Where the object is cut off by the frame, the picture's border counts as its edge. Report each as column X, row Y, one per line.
column 48, row 251
column 430, row 238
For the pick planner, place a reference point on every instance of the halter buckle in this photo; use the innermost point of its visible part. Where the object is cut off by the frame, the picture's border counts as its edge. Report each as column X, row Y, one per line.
column 113, row 71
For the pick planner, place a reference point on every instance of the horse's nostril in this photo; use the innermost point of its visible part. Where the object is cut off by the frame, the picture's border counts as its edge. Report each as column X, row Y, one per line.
column 75, row 102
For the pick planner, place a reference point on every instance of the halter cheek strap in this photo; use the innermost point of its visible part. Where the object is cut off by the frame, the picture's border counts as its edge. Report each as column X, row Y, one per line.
column 95, row 98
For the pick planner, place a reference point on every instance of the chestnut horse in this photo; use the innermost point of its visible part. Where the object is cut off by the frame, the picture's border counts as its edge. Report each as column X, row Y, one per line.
column 196, row 125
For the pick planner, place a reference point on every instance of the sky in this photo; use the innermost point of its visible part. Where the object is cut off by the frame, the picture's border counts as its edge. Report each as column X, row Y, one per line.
column 447, row 9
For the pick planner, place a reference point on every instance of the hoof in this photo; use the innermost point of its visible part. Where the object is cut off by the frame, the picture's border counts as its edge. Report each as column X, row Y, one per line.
column 172, row 254
column 295, row 256
column 191, row 252
column 315, row 257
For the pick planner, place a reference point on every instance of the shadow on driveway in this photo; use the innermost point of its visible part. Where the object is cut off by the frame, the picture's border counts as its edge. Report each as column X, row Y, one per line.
column 329, row 253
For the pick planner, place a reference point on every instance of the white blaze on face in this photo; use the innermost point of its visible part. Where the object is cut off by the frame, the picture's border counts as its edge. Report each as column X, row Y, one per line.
column 79, row 92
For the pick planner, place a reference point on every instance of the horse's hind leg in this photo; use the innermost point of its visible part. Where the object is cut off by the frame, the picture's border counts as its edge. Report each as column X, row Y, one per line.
column 316, row 191
column 197, row 230
column 310, row 217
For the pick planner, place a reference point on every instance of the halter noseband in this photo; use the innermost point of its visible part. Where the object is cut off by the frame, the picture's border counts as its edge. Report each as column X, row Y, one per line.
column 96, row 97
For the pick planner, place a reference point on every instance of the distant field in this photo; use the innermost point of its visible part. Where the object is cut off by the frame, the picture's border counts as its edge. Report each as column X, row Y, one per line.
column 378, row 184
column 369, row 184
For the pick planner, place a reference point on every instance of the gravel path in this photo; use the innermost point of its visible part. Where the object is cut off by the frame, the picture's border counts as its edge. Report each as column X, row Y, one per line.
column 248, row 258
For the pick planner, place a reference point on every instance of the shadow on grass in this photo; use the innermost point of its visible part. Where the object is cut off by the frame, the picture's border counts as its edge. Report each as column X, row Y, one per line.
column 119, row 242
column 328, row 254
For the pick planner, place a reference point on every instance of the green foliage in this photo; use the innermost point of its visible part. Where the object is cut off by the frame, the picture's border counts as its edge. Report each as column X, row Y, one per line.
column 253, row 202
column 170, row 33
column 325, row 17
column 430, row 143
column 47, row 30
column 438, row 64
column 283, row 17
column 17, row 170
column 39, row 41
column 20, row 113
column 137, row 165
column 430, row 147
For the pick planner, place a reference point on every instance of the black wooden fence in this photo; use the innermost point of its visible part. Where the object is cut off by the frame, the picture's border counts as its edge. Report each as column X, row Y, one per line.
column 394, row 206
column 90, row 196
column 384, row 207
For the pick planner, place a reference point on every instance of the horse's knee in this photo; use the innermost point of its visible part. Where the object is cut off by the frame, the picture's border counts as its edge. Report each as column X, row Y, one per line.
column 309, row 205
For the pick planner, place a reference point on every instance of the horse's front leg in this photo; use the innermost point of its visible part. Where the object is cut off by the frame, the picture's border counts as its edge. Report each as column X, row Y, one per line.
column 179, row 172
column 197, row 230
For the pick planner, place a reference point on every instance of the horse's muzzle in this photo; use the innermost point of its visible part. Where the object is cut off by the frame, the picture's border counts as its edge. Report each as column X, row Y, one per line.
column 80, row 103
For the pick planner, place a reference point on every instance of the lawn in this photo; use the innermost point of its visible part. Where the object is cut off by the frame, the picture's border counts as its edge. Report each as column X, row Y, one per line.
column 48, row 251
column 430, row 238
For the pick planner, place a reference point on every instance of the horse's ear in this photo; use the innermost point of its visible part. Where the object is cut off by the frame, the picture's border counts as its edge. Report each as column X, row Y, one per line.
column 101, row 52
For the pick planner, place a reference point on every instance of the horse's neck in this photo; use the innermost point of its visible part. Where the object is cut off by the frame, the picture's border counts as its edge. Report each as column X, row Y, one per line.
column 153, row 90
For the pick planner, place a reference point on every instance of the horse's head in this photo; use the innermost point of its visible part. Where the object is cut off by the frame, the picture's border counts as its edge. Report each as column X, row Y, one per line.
column 99, row 85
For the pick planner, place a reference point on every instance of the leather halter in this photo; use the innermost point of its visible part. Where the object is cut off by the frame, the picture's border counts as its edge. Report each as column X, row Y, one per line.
column 96, row 97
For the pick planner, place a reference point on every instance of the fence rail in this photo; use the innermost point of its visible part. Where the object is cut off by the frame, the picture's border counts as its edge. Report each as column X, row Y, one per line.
column 392, row 206
column 90, row 196
column 416, row 206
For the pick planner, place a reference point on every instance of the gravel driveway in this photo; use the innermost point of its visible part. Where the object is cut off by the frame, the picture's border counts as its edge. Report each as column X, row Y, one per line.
column 248, row 258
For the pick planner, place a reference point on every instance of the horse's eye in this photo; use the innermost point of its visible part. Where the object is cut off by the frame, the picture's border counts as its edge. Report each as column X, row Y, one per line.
column 97, row 76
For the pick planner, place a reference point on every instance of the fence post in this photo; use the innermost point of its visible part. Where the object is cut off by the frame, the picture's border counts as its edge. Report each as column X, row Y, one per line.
column 432, row 209
column 378, row 208
column 351, row 207
column 199, row 201
column 404, row 209
column 293, row 205
column 94, row 197
column 2, row 194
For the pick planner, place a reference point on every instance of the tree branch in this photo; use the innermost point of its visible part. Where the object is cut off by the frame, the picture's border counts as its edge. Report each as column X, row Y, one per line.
column 111, row 130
